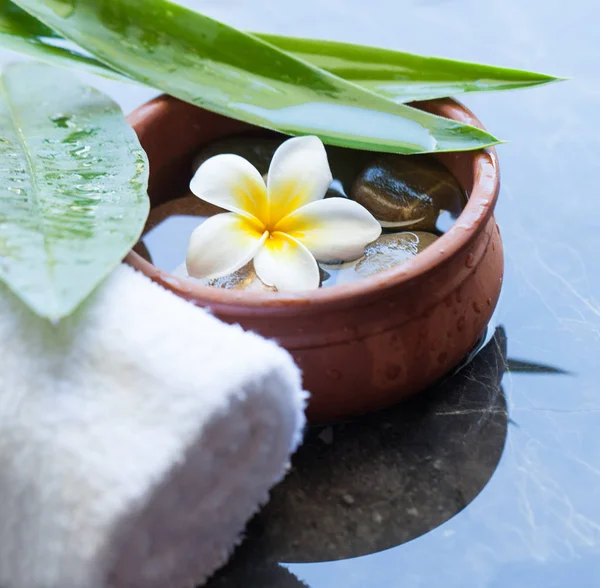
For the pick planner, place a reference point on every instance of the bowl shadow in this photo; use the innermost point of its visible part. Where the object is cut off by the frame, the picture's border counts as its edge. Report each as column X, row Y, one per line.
column 362, row 486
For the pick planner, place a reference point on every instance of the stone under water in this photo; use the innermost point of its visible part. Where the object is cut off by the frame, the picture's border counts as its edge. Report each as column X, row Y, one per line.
column 257, row 150
column 189, row 205
column 412, row 196
column 344, row 163
column 243, row 279
column 388, row 251
column 407, row 191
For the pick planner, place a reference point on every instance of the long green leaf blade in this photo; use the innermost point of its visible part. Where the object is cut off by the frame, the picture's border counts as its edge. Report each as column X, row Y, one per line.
column 214, row 66
column 22, row 33
column 404, row 77
column 73, row 181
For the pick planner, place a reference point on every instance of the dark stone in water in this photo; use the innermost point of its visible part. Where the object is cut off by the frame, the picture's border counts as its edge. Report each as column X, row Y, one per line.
column 345, row 164
column 189, row 205
column 408, row 189
column 257, row 150
column 394, row 188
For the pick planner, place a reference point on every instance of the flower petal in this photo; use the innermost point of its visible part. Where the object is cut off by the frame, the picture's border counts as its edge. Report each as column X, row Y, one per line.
column 299, row 174
column 286, row 264
column 231, row 182
column 332, row 229
column 222, row 244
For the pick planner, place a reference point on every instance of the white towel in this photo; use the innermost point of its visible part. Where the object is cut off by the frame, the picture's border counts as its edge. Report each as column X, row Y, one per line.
column 136, row 439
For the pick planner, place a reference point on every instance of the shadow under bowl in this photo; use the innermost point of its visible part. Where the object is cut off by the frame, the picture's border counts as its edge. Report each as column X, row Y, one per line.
column 371, row 343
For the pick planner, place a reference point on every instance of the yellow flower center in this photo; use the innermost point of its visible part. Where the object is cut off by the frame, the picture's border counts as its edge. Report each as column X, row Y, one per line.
column 263, row 215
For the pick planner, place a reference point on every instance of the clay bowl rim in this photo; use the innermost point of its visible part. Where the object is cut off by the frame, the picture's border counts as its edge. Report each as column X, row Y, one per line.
column 478, row 210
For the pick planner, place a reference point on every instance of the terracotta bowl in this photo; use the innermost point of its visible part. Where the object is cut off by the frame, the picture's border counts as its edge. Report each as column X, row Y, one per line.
column 368, row 344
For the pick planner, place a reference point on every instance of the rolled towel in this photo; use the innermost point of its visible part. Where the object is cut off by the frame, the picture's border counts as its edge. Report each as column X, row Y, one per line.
column 136, row 439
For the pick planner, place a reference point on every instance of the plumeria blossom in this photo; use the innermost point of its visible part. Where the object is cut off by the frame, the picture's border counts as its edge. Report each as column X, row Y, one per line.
column 285, row 225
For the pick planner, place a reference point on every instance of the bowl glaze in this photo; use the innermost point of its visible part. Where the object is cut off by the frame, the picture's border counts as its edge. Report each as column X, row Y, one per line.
column 368, row 344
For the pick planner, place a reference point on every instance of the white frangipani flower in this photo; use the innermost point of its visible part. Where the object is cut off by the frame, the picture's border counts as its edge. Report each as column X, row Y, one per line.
column 285, row 226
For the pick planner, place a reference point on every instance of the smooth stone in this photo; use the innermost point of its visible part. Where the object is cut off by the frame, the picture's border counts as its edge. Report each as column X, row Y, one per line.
column 408, row 189
column 335, row 190
column 257, row 150
column 391, row 250
column 345, row 164
column 244, row 279
column 189, row 205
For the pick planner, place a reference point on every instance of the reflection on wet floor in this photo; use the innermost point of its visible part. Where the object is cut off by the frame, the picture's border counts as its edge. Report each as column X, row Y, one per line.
column 362, row 486
column 537, row 523
column 366, row 485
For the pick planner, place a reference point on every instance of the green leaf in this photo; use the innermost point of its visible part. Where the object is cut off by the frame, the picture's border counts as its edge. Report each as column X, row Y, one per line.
column 73, row 181
column 22, row 33
column 214, row 66
column 404, row 77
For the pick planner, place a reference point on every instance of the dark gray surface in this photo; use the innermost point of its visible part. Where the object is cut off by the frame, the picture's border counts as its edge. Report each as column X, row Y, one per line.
column 536, row 519
column 363, row 486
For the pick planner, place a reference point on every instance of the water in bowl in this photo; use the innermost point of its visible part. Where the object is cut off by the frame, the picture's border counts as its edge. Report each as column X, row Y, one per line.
column 415, row 198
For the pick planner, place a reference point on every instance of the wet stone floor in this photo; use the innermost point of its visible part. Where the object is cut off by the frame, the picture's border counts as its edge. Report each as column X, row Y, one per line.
column 491, row 479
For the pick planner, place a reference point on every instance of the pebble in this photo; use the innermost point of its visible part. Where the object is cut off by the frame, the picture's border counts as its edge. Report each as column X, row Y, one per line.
column 393, row 250
column 257, row 150
column 345, row 164
column 388, row 251
column 188, row 205
column 408, row 189
column 396, row 189
column 244, row 279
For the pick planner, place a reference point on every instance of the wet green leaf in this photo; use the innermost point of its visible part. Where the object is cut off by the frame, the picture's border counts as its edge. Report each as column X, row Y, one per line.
column 207, row 63
column 73, row 181
column 22, row 33
column 404, row 77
